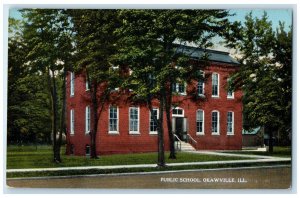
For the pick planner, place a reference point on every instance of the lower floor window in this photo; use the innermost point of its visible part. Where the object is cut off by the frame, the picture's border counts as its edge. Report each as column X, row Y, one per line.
column 230, row 122
column 215, row 122
column 153, row 124
column 133, row 120
column 200, row 121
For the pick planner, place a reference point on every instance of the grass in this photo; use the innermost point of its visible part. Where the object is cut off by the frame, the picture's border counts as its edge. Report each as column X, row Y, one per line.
column 278, row 151
column 20, row 157
column 131, row 170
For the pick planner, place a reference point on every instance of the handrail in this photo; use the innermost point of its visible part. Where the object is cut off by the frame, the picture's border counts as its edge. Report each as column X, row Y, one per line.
column 178, row 141
column 191, row 138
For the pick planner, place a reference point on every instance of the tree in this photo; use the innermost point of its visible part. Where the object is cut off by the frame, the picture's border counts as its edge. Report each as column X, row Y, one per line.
column 95, row 43
column 27, row 99
column 147, row 46
column 49, row 40
column 265, row 74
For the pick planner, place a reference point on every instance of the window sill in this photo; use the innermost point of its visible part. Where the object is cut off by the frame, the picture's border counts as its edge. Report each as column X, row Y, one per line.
column 200, row 133
column 87, row 90
column 87, row 133
column 215, row 133
column 134, row 133
column 153, row 133
column 230, row 98
column 230, row 134
column 113, row 133
column 215, row 96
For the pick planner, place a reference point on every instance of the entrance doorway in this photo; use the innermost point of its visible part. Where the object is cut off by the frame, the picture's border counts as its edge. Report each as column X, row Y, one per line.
column 179, row 124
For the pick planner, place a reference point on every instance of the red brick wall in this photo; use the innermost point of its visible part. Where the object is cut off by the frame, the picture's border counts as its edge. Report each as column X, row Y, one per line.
column 123, row 142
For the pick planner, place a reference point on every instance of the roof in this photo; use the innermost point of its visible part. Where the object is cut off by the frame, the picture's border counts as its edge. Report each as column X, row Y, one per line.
column 213, row 55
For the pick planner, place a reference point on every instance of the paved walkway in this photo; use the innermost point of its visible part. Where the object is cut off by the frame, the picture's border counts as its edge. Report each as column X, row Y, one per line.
column 257, row 159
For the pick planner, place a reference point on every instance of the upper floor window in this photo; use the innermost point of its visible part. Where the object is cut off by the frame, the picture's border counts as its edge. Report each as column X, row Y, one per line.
column 215, row 85
column 113, row 119
column 200, row 122
column 230, row 93
column 179, row 88
column 87, row 87
column 230, row 123
column 87, row 119
column 215, row 123
column 152, row 81
column 72, row 122
column 72, row 83
column 134, row 120
column 153, row 124
column 200, row 84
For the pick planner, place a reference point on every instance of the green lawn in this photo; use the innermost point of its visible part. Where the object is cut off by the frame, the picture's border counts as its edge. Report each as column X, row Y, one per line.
column 41, row 157
column 278, row 151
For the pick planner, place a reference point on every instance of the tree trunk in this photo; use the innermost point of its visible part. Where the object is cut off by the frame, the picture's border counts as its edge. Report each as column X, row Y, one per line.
column 93, row 132
column 53, row 92
column 168, row 102
column 63, row 112
column 160, row 131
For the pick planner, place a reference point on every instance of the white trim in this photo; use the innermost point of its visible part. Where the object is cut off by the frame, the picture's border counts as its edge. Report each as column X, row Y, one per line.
column 218, row 88
column 72, row 122
column 87, row 119
column 72, row 84
column 138, row 119
column 113, row 132
column 232, row 121
column 218, row 123
column 157, row 116
column 203, row 123
column 178, row 115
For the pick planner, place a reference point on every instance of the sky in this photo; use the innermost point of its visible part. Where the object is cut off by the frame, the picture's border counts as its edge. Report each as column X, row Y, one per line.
column 275, row 15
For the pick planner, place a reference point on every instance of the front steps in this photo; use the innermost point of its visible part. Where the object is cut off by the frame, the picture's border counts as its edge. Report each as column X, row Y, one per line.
column 184, row 146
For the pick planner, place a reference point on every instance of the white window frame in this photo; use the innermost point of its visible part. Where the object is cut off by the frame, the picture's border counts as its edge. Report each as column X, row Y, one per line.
column 117, row 131
column 218, row 123
column 157, row 116
column 218, row 85
column 232, row 123
column 200, row 132
column 203, row 85
column 138, row 121
column 72, row 122
column 72, row 84
column 232, row 92
column 87, row 119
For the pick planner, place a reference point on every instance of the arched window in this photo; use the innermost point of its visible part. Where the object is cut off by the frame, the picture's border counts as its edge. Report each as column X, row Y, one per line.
column 215, row 85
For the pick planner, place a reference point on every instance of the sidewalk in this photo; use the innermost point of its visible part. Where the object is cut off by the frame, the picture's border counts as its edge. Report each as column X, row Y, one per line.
column 258, row 159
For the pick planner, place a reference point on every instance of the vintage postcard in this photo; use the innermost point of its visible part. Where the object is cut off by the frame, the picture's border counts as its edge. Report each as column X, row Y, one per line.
column 165, row 98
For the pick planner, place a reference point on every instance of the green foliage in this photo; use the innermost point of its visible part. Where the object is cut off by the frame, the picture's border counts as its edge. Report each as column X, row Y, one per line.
column 265, row 74
column 28, row 100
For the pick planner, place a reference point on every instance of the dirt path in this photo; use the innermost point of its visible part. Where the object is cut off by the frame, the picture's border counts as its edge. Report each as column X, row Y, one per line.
column 250, row 178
